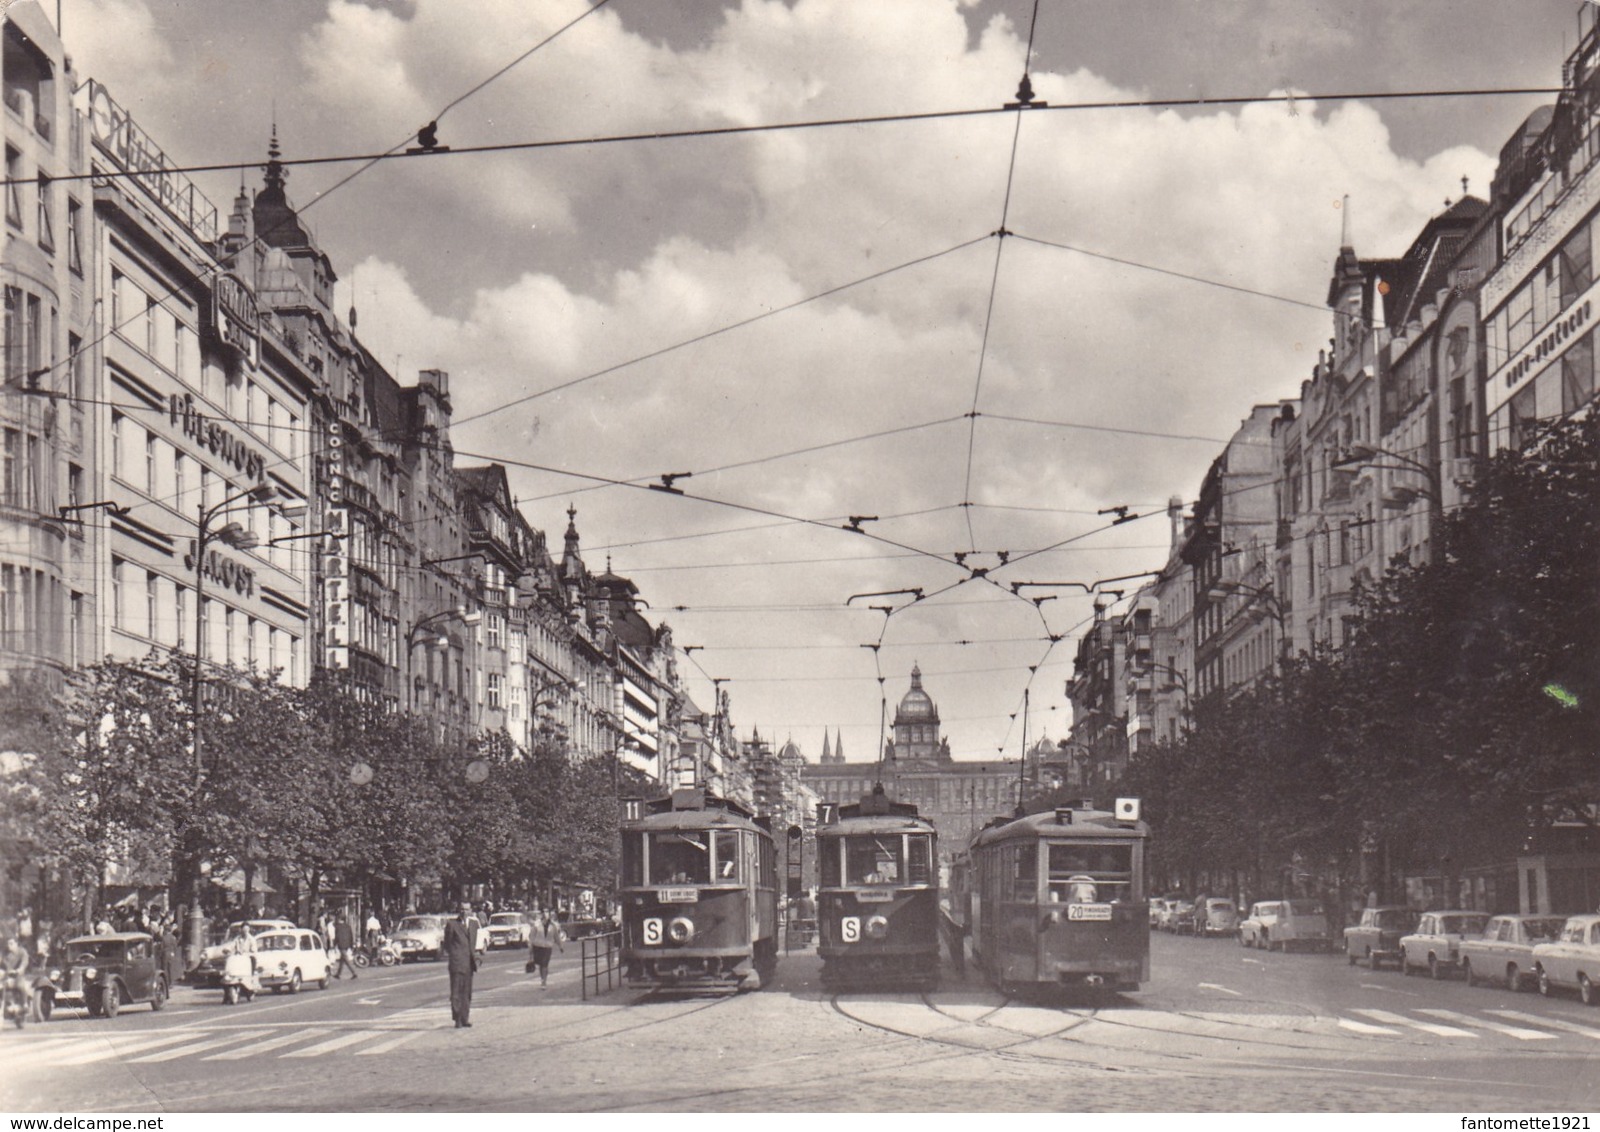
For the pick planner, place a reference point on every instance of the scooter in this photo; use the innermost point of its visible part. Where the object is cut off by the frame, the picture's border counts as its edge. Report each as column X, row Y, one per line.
column 239, row 978
column 382, row 953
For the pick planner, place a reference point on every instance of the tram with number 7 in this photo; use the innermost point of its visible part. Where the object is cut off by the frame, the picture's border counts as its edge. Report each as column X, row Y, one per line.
column 878, row 895
column 699, row 894
column 1057, row 899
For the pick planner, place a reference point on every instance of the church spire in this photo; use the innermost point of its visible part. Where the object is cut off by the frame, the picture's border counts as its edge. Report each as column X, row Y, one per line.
column 838, row 746
column 827, row 750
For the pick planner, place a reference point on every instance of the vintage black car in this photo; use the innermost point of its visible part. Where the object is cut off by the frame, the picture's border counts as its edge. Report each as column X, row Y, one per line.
column 104, row 973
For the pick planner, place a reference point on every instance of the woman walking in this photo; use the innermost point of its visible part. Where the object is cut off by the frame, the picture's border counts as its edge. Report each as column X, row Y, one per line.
column 544, row 934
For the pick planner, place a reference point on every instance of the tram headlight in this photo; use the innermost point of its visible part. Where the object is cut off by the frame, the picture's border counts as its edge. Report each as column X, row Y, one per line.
column 877, row 927
column 681, row 930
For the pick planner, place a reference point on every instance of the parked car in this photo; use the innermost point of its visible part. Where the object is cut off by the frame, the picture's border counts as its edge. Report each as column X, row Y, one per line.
column 1573, row 960
column 1216, row 915
column 1180, row 921
column 104, row 973
column 1505, row 950
column 1158, row 905
column 1375, row 939
column 480, row 942
column 1285, row 925
column 417, row 937
column 209, row 970
column 1436, row 944
column 285, row 960
column 508, row 929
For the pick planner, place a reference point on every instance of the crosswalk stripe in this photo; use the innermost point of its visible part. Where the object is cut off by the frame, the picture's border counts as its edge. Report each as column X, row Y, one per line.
column 41, row 1051
column 1366, row 1027
column 261, row 1047
column 1429, row 1027
column 389, row 1044
column 104, row 1049
column 1498, row 1027
column 197, row 1047
column 332, row 1044
column 1551, row 1023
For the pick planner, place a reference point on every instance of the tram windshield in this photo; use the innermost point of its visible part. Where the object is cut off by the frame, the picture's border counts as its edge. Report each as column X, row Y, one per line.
column 1086, row 873
column 694, row 857
column 874, row 859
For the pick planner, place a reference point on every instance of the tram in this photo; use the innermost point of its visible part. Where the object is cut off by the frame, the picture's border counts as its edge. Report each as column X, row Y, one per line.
column 1057, row 899
column 699, row 894
column 878, row 895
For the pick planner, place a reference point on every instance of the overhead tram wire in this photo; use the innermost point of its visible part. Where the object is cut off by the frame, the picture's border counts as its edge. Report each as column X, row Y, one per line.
column 826, row 123
column 698, row 338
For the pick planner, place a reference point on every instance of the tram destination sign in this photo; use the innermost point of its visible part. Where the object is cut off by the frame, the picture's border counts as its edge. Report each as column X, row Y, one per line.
column 1088, row 911
column 678, row 895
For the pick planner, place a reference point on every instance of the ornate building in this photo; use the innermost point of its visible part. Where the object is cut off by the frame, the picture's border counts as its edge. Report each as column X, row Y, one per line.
column 958, row 796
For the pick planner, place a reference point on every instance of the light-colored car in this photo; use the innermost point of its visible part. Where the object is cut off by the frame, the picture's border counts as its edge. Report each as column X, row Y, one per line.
column 1436, row 944
column 508, row 929
column 209, row 972
column 418, row 937
column 1285, row 925
column 1216, row 915
column 1375, row 939
column 481, row 940
column 1158, row 905
column 1172, row 909
column 1504, row 952
column 286, row 960
column 1573, row 960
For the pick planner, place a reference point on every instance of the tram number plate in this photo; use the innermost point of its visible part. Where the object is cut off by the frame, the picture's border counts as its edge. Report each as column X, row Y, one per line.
column 652, row 931
column 1088, row 911
column 678, row 895
column 872, row 896
column 850, row 929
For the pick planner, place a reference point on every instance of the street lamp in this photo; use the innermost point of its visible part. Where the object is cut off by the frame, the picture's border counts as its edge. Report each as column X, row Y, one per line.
column 415, row 636
column 1358, row 455
column 234, row 535
column 1263, row 594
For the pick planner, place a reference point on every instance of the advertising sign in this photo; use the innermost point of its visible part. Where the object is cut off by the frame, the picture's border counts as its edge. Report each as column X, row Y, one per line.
column 119, row 137
column 335, row 558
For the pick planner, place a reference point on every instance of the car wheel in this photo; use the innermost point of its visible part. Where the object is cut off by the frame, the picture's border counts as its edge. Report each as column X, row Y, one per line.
column 1405, row 963
column 322, row 983
column 1587, row 992
column 111, row 1000
column 230, row 995
column 1545, row 987
column 1466, row 973
column 1513, row 978
column 158, row 998
column 1243, row 942
column 1435, row 971
column 294, row 982
column 360, row 959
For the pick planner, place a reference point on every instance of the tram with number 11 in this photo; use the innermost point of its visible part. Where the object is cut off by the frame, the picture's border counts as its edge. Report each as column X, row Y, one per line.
column 699, row 894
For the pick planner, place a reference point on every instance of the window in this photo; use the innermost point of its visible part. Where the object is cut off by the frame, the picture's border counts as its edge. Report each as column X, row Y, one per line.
column 150, row 463
column 152, row 604
column 1577, row 374
column 1522, row 418
column 116, row 444
column 74, row 237
column 75, row 630
column 494, row 691
column 180, row 346
column 180, row 613
column 150, row 308
column 13, row 331
column 227, row 636
column 180, row 481
column 47, row 227
column 74, row 485
column 118, row 613
column 680, row 858
column 1576, row 266
column 13, row 187
column 11, row 469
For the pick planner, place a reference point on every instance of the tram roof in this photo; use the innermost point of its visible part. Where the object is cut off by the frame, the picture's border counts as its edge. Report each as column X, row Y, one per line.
column 1063, row 823
column 693, row 809
column 875, row 823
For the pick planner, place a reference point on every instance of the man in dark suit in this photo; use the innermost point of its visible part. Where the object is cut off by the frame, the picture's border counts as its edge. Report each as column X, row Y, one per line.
column 461, row 952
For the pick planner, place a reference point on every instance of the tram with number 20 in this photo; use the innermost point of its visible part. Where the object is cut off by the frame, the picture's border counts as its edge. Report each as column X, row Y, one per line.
column 878, row 894
column 1057, row 899
column 699, row 894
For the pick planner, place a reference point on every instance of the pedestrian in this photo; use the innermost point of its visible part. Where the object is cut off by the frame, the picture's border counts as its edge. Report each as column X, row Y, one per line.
column 461, row 953
column 374, row 928
column 344, row 939
column 543, row 935
column 170, row 957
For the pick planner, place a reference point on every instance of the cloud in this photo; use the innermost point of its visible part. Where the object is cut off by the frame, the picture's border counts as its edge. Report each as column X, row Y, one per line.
column 520, row 272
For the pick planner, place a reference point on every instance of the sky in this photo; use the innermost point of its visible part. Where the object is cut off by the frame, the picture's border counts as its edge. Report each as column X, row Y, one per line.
column 808, row 320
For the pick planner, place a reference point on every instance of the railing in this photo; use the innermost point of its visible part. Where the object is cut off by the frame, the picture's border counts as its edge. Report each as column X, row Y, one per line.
column 599, row 956
column 799, row 934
